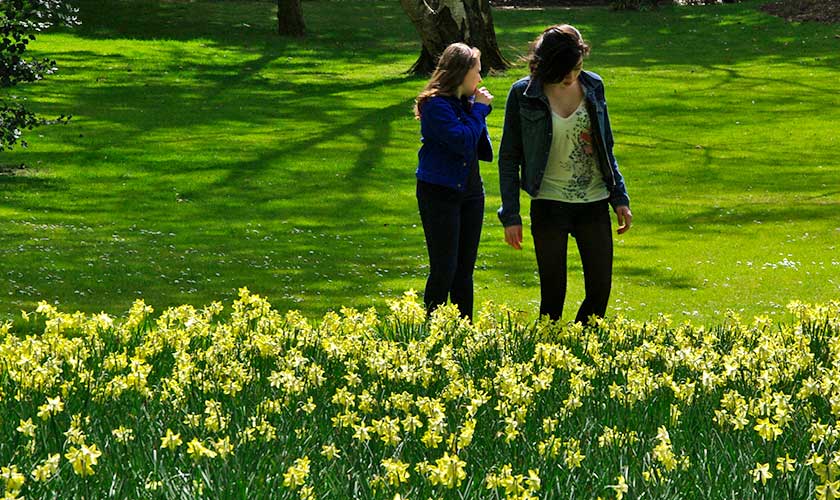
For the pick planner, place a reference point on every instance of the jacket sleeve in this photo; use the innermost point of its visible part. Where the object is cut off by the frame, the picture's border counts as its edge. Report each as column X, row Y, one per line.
column 440, row 123
column 485, row 147
column 510, row 162
column 618, row 193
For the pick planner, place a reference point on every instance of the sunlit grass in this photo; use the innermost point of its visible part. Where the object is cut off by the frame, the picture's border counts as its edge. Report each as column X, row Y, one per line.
column 207, row 153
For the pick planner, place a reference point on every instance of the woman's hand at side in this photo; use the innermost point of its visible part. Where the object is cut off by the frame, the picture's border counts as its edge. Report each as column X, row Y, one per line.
column 624, row 217
column 483, row 96
column 513, row 236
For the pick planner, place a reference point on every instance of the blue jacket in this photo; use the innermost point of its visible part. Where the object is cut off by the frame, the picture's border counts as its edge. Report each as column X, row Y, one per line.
column 526, row 140
column 453, row 133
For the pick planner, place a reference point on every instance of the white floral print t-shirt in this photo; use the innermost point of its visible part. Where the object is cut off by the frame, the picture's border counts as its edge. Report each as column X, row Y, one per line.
column 572, row 174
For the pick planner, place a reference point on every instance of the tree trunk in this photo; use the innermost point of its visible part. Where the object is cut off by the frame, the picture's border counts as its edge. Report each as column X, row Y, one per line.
column 441, row 22
column 290, row 18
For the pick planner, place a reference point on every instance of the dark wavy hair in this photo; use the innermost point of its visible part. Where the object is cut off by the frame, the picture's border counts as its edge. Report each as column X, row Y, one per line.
column 556, row 52
column 457, row 59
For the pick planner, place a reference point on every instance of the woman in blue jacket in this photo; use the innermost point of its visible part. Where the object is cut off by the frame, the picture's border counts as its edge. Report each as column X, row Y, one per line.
column 557, row 146
column 450, row 193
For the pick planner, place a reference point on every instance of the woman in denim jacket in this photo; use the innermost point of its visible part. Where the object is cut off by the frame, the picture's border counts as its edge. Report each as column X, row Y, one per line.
column 450, row 193
column 557, row 146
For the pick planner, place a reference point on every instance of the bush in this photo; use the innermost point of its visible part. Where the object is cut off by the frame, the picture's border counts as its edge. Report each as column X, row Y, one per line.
column 20, row 20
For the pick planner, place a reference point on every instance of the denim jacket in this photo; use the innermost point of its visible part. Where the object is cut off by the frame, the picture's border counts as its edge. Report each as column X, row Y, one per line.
column 453, row 133
column 526, row 140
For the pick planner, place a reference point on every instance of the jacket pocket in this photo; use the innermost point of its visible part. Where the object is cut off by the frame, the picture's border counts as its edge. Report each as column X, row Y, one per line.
column 533, row 123
column 531, row 115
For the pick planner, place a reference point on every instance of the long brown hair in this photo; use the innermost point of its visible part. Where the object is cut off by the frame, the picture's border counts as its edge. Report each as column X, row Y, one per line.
column 457, row 59
column 555, row 52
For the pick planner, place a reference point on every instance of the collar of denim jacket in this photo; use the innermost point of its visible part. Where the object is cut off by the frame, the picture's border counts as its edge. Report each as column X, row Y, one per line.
column 534, row 89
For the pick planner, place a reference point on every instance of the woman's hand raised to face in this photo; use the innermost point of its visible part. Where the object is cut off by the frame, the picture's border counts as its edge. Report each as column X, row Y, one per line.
column 483, row 96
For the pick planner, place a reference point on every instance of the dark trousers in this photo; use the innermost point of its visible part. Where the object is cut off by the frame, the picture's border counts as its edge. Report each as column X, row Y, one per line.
column 452, row 225
column 589, row 223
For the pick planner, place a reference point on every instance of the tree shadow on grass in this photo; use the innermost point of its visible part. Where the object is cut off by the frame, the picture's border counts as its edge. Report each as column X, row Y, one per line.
column 311, row 228
column 706, row 37
column 737, row 166
column 136, row 135
column 11, row 183
column 171, row 20
column 215, row 92
column 703, row 36
column 372, row 128
column 344, row 28
column 656, row 277
column 730, row 218
column 211, row 223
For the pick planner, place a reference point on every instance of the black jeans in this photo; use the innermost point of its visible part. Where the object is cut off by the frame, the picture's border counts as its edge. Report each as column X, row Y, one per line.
column 452, row 225
column 589, row 223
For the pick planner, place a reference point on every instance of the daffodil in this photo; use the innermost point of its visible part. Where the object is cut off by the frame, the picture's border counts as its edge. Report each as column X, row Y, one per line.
column 12, row 478
column 396, row 471
column 171, row 441
column 573, row 457
column 51, row 407
column 196, row 450
column 47, row 468
column 828, row 491
column 83, row 459
column 123, row 434
column 549, row 425
column 361, row 432
column 620, row 488
column 27, row 428
column 761, row 473
column 153, row 485
column 411, row 423
column 223, row 447
column 785, row 464
column 465, row 436
column 431, row 439
column 330, row 451
column 533, row 481
column 11, row 494
column 768, row 430
column 448, row 471
column 297, row 474
column 307, row 492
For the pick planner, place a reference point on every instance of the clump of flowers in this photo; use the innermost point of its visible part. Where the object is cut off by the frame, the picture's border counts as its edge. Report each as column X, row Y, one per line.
column 428, row 405
column 83, row 459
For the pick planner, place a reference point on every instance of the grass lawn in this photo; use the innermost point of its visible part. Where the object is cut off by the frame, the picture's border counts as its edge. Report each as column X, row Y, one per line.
column 206, row 153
